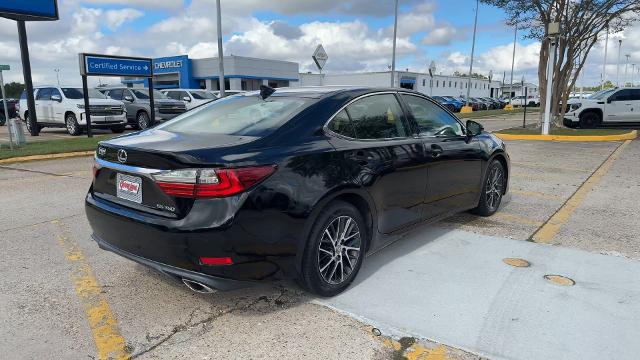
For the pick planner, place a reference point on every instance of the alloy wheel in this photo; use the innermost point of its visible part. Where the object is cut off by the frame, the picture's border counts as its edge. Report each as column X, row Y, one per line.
column 494, row 187
column 339, row 250
column 143, row 120
column 71, row 125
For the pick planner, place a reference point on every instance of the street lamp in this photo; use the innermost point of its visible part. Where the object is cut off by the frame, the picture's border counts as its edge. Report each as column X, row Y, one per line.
column 526, row 102
column 604, row 64
column 432, row 71
column 618, row 65
column 490, row 77
column 633, row 70
column 467, row 108
column 393, row 58
column 626, row 66
column 57, row 70
column 553, row 29
column 220, row 54
column 513, row 60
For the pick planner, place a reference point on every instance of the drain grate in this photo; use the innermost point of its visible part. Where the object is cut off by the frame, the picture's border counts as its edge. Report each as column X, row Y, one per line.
column 559, row 280
column 516, row 262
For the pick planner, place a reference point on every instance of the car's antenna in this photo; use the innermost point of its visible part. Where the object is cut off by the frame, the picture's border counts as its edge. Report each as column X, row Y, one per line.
column 266, row 91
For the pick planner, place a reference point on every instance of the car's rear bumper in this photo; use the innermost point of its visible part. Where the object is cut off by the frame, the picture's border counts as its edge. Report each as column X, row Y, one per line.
column 260, row 249
column 213, row 282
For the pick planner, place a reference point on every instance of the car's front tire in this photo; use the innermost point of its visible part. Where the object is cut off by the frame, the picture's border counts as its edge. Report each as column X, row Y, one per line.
column 492, row 189
column 71, row 123
column 589, row 120
column 335, row 250
column 143, row 120
column 119, row 129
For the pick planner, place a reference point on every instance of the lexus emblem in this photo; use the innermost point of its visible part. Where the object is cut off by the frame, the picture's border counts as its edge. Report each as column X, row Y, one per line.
column 122, row 156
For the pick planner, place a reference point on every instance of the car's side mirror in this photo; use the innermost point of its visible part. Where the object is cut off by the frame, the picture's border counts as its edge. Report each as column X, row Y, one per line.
column 474, row 128
column 186, row 98
column 57, row 98
column 128, row 98
column 609, row 100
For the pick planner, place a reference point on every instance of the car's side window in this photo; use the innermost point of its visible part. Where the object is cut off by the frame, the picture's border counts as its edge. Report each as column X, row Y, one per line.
column 173, row 95
column 622, row 95
column 377, row 117
column 55, row 91
column 116, row 94
column 635, row 94
column 431, row 119
column 182, row 95
column 341, row 124
column 44, row 94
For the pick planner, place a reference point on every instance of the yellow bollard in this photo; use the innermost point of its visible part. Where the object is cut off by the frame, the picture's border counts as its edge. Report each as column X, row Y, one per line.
column 466, row 109
column 508, row 107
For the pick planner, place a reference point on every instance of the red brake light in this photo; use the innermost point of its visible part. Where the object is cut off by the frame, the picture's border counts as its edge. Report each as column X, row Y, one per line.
column 216, row 261
column 207, row 183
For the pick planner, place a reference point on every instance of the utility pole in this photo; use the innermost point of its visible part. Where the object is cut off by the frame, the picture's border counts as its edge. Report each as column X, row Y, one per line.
column 633, row 71
column 473, row 48
column 57, row 70
column 618, row 65
column 553, row 29
column 220, row 54
column 604, row 64
column 395, row 34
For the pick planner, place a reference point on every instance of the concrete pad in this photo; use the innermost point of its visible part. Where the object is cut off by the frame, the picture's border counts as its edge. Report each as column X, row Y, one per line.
column 452, row 287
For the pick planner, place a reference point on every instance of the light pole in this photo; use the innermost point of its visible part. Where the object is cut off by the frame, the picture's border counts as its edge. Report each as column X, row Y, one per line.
column 604, row 64
column 57, row 70
column 467, row 108
column 626, row 66
column 618, row 65
column 526, row 103
column 553, row 29
column 220, row 54
column 393, row 57
column 513, row 60
column 490, row 88
column 432, row 71
column 633, row 71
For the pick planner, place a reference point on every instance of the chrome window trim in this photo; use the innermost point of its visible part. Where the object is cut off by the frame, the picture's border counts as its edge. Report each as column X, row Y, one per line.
column 326, row 124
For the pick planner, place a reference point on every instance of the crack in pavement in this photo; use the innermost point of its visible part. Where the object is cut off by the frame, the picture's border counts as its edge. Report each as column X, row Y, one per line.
column 3, row 167
column 236, row 307
column 40, row 223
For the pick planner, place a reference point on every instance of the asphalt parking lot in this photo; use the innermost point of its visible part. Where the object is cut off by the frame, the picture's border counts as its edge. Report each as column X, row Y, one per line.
column 572, row 211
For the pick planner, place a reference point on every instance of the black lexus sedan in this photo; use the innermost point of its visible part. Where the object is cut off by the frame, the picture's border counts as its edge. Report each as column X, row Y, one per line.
column 292, row 183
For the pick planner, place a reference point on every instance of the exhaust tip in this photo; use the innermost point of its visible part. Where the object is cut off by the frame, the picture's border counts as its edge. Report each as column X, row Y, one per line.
column 198, row 287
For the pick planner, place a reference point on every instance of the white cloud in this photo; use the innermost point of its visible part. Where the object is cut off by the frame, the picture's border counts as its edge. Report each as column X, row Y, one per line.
column 115, row 18
column 443, row 35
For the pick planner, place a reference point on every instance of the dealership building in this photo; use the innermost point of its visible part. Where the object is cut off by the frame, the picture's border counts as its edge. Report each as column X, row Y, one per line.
column 241, row 73
column 438, row 85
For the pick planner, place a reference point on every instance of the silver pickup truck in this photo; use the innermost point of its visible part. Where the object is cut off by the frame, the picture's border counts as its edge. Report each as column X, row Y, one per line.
column 138, row 106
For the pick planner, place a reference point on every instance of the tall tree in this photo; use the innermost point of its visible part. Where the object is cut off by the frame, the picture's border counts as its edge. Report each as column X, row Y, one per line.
column 581, row 22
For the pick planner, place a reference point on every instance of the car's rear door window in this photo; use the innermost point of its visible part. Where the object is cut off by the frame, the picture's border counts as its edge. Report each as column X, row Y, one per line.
column 377, row 117
column 239, row 115
column 44, row 94
column 430, row 118
column 341, row 125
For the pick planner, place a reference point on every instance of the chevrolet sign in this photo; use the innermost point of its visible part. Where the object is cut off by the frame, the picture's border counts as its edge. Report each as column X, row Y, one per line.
column 172, row 64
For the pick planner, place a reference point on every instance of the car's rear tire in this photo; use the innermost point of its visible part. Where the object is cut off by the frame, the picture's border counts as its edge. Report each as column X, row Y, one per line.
column 590, row 120
column 335, row 249
column 72, row 125
column 119, row 129
column 492, row 189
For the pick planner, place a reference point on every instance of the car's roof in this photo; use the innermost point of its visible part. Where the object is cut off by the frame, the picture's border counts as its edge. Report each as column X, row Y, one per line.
column 183, row 89
column 324, row 91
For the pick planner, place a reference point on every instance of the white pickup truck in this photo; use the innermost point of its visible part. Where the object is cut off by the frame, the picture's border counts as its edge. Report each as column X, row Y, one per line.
column 611, row 106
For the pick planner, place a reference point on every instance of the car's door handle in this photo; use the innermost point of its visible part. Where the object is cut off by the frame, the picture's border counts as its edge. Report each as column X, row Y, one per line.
column 436, row 150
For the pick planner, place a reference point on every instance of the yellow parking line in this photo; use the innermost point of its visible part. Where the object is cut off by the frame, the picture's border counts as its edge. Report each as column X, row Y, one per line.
column 551, row 228
column 517, row 219
column 546, row 167
column 104, row 327
column 536, row 194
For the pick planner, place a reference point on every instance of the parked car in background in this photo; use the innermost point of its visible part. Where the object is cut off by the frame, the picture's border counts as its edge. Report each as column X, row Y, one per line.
column 453, row 106
column 139, row 108
column 377, row 163
column 531, row 100
column 63, row 106
column 613, row 106
column 458, row 102
column 191, row 97
column 11, row 109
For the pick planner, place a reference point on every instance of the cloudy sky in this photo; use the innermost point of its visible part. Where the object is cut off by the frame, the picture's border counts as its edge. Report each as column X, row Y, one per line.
column 357, row 35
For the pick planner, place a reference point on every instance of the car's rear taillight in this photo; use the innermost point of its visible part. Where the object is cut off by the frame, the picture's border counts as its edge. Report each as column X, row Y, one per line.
column 209, row 183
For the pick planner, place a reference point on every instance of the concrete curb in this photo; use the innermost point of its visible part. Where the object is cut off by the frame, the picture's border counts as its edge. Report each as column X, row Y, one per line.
column 626, row 136
column 46, row 157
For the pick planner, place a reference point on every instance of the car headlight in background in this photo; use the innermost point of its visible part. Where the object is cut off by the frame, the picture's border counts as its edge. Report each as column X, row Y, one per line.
column 575, row 106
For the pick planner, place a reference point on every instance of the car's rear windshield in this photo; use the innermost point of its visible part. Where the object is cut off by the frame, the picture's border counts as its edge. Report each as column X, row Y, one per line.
column 77, row 93
column 239, row 115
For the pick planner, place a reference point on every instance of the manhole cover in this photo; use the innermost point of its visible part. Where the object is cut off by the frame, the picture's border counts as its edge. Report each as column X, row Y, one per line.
column 516, row 262
column 559, row 280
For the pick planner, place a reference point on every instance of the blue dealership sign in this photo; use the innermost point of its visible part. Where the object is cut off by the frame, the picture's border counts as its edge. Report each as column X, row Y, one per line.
column 29, row 9
column 105, row 65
